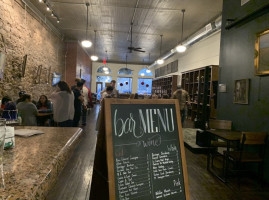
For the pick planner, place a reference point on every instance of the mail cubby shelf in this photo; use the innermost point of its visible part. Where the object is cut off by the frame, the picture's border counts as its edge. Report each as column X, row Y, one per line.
column 202, row 85
column 164, row 85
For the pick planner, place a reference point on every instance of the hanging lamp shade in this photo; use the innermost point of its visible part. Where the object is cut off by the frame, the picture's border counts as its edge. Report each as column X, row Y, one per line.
column 181, row 48
column 160, row 61
column 94, row 57
column 87, row 43
column 148, row 70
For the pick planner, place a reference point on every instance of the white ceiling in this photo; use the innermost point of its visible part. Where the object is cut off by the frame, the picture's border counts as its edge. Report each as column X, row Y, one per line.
column 112, row 18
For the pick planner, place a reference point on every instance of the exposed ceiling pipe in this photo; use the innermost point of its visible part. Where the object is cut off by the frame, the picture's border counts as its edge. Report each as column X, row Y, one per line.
column 204, row 32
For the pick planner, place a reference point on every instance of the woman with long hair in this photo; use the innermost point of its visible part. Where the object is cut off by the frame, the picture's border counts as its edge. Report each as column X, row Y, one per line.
column 44, row 106
column 63, row 105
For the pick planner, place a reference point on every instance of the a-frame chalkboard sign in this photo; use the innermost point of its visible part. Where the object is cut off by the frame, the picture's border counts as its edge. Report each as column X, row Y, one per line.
column 144, row 150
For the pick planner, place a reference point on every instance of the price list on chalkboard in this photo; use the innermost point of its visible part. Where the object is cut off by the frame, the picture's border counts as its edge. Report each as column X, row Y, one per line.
column 146, row 150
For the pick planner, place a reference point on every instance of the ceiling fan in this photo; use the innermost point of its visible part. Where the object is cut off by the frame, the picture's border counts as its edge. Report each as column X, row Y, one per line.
column 131, row 48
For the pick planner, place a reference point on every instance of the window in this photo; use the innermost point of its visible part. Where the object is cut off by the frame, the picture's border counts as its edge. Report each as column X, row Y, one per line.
column 104, row 69
column 145, row 72
column 125, row 71
column 144, row 86
column 101, row 83
column 124, row 85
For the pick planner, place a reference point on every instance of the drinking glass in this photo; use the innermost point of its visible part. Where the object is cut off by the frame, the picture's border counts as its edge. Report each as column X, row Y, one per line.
column 2, row 144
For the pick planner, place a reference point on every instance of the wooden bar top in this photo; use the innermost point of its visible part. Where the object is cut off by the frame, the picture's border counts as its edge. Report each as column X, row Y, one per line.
column 32, row 167
column 226, row 134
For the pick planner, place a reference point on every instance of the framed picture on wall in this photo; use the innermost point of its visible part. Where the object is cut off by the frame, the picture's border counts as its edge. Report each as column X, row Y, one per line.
column 241, row 91
column 262, row 53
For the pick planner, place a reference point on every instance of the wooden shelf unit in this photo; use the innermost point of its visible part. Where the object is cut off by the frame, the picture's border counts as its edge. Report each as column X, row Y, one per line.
column 202, row 85
column 164, row 85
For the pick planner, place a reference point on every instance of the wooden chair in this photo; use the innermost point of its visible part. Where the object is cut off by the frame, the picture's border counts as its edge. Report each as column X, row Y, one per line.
column 252, row 150
column 219, row 125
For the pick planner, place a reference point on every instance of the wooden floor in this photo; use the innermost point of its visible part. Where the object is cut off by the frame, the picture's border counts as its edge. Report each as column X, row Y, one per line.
column 75, row 180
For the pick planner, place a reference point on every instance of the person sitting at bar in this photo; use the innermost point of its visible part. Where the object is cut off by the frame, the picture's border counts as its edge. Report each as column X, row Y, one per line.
column 106, row 94
column 8, row 107
column 115, row 92
column 27, row 110
column 20, row 99
column 45, row 108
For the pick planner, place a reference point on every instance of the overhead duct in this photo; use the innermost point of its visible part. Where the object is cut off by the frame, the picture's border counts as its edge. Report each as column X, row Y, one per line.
column 204, row 32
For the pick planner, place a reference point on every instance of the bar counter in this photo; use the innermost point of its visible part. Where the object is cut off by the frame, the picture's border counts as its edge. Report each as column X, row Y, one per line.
column 32, row 167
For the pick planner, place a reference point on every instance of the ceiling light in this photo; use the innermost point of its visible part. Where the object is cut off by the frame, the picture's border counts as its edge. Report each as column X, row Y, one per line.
column 40, row 1
column 142, row 74
column 148, row 71
column 52, row 14
column 87, row 43
column 106, row 72
column 58, row 21
column 181, row 48
column 105, row 68
column 160, row 61
column 94, row 58
column 48, row 8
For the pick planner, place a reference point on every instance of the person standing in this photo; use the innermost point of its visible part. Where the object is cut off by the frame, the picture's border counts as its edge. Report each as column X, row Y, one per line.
column 87, row 95
column 78, row 102
column 27, row 110
column 183, row 98
column 63, row 105
column 115, row 92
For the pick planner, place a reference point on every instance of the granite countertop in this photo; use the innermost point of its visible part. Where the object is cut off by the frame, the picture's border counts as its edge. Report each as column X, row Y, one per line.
column 32, row 167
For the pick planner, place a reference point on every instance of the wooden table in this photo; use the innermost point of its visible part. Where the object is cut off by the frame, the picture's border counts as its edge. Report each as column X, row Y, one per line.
column 229, row 137
column 32, row 167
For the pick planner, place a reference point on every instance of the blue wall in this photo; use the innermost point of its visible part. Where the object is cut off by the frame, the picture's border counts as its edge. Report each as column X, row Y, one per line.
column 237, row 55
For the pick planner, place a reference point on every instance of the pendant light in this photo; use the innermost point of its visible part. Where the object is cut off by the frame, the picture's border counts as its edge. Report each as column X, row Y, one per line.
column 94, row 57
column 87, row 43
column 181, row 48
column 148, row 70
column 160, row 61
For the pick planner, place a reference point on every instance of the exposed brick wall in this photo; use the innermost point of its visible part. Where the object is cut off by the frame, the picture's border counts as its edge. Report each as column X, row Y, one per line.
column 71, row 62
column 84, row 64
column 25, row 34
column 77, row 63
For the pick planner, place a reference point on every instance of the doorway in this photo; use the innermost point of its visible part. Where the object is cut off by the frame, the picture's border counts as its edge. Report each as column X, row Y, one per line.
column 99, row 88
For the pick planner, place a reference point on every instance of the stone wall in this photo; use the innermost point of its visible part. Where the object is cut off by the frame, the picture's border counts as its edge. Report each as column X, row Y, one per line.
column 24, row 34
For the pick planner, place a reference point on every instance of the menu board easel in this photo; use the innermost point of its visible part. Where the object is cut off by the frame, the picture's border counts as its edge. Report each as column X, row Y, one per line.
column 144, row 150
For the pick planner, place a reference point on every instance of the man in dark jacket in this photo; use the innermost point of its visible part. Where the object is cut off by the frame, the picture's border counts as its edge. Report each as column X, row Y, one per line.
column 77, row 103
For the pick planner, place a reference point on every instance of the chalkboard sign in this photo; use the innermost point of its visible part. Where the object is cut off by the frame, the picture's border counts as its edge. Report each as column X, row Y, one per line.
column 145, row 151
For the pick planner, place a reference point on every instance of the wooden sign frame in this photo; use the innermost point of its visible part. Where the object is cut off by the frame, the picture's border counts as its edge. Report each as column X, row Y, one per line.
column 109, row 140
